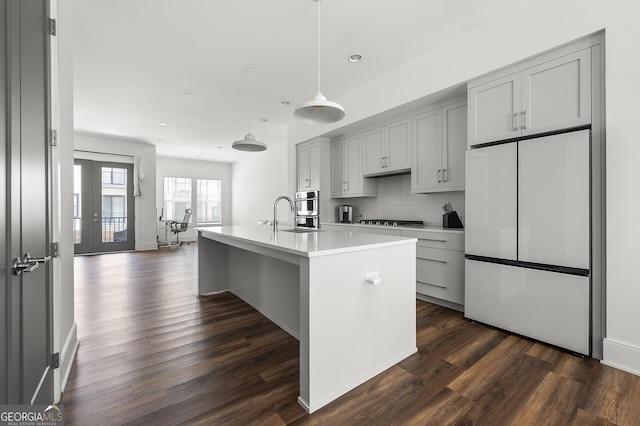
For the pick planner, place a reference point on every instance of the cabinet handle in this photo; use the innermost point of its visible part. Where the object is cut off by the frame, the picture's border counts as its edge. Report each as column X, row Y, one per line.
column 432, row 239
column 434, row 285
column 514, row 122
column 347, row 185
column 444, row 175
column 439, row 179
column 433, row 260
column 524, row 119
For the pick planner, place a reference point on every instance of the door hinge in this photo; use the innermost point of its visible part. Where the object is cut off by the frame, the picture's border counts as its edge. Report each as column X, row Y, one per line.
column 55, row 360
column 52, row 27
column 55, row 250
column 53, row 137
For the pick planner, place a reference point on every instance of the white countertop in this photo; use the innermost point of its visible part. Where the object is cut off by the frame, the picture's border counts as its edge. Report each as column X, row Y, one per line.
column 307, row 244
column 425, row 228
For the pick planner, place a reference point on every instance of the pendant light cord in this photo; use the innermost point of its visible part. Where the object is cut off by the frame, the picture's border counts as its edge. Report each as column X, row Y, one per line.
column 318, row 45
column 249, row 68
column 250, row 98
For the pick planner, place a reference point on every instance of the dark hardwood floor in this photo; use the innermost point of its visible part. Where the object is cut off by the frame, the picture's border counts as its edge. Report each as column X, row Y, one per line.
column 154, row 353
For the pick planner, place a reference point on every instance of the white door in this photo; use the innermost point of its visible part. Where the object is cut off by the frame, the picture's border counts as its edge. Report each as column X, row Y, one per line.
column 397, row 140
column 493, row 110
column 373, row 150
column 313, row 166
column 454, row 144
column 426, row 150
column 491, row 201
column 303, row 168
column 557, row 94
column 353, row 166
column 553, row 200
column 337, row 168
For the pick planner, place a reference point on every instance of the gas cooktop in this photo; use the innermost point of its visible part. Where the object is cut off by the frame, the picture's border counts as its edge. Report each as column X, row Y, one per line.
column 391, row 222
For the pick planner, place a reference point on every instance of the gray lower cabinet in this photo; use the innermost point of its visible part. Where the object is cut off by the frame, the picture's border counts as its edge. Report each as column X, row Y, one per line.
column 440, row 267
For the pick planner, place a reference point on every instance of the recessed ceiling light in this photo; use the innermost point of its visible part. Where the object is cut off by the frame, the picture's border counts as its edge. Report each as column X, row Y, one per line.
column 219, row 147
column 186, row 95
column 285, row 103
column 162, row 123
column 356, row 57
column 264, row 119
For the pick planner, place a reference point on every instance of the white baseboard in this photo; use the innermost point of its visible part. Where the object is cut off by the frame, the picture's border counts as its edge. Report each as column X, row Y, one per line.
column 621, row 356
column 147, row 246
column 68, row 354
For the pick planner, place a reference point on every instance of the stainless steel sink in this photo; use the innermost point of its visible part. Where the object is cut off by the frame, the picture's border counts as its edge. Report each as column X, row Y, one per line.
column 301, row 230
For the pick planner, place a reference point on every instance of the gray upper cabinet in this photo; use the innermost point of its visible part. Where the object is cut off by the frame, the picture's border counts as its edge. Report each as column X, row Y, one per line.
column 552, row 95
column 308, row 163
column 312, row 165
column 346, row 169
column 387, row 148
column 439, row 143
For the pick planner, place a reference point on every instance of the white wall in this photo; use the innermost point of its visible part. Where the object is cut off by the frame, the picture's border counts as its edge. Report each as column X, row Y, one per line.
column 145, row 205
column 522, row 30
column 194, row 169
column 257, row 181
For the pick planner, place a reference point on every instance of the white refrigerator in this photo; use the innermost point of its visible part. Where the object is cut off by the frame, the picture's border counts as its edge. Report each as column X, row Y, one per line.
column 527, row 238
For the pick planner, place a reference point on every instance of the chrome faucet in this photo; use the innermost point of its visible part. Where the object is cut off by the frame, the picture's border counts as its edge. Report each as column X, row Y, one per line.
column 275, row 210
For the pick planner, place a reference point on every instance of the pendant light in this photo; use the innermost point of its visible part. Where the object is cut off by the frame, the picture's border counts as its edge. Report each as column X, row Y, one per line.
column 319, row 110
column 249, row 143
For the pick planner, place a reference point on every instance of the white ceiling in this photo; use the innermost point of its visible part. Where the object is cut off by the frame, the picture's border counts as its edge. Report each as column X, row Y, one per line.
column 135, row 60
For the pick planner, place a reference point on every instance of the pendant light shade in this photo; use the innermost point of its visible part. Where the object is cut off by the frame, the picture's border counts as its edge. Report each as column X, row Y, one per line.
column 249, row 143
column 319, row 110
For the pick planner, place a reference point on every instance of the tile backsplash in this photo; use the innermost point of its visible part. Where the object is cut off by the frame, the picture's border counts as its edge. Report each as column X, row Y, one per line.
column 395, row 201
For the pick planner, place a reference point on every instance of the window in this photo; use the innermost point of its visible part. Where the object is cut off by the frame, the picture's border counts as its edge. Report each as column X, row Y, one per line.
column 114, row 206
column 177, row 197
column 114, row 176
column 208, row 201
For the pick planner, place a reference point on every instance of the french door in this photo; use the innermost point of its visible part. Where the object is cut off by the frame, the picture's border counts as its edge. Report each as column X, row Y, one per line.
column 103, row 207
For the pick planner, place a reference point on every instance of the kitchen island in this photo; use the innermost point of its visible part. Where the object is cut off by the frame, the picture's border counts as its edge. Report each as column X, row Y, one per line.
column 349, row 298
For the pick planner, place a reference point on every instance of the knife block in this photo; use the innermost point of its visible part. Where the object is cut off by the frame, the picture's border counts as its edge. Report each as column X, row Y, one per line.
column 451, row 220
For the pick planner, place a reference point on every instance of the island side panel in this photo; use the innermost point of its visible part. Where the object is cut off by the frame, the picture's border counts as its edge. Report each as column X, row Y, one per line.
column 352, row 330
column 269, row 285
column 213, row 266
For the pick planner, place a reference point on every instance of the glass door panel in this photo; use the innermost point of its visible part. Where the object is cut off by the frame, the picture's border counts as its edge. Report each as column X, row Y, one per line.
column 77, row 203
column 114, row 205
